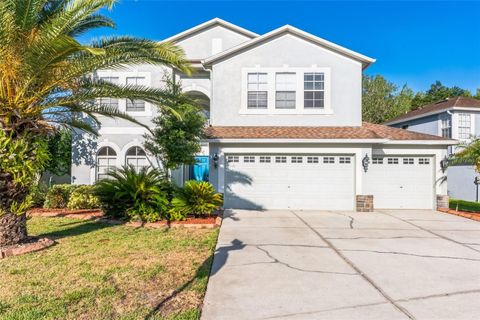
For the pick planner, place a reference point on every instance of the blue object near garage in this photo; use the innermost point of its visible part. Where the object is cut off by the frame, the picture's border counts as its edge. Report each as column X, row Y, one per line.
column 199, row 171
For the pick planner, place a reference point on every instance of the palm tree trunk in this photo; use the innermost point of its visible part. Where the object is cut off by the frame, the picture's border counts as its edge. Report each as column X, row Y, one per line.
column 13, row 229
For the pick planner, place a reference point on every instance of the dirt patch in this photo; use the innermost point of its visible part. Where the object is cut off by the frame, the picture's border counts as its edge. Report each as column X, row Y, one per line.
column 31, row 245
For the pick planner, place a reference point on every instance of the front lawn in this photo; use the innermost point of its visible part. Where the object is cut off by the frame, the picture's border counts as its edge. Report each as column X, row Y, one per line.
column 102, row 271
column 463, row 205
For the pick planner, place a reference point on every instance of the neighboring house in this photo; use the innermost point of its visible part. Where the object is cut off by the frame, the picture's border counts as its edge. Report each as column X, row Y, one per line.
column 286, row 127
column 454, row 118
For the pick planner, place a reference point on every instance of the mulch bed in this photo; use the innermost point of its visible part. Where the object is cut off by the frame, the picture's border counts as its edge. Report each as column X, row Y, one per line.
column 191, row 222
column 31, row 245
column 465, row 214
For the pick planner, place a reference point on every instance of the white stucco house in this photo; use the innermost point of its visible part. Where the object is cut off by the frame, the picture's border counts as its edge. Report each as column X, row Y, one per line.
column 285, row 126
column 455, row 118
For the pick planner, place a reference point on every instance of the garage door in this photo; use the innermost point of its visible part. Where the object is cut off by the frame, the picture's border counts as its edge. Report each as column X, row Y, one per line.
column 401, row 182
column 289, row 182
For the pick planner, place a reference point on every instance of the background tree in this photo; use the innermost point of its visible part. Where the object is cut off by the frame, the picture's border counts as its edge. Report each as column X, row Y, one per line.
column 59, row 146
column 176, row 137
column 46, row 77
column 437, row 92
column 381, row 99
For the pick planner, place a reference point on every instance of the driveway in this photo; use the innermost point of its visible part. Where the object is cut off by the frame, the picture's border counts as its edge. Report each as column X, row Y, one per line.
column 391, row 264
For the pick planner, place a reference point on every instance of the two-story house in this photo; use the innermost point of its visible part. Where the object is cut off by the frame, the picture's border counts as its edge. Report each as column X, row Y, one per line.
column 286, row 126
column 454, row 118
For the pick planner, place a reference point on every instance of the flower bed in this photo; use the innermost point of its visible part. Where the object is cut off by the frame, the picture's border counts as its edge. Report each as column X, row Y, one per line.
column 465, row 214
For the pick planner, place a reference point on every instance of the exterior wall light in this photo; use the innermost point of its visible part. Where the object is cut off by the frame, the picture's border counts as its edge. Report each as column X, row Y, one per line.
column 444, row 164
column 215, row 160
column 365, row 162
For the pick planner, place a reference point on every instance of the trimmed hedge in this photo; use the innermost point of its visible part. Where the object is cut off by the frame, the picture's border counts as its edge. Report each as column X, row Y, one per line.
column 463, row 205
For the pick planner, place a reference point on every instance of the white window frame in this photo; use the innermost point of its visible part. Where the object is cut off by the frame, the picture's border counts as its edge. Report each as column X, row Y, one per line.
column 110, row 159
column 299, row 92
column 313, row 90
column 446, row 126
column 122, row 79
column 136, row 158
column 283, row 87
column 464, row 126
column 257, row 90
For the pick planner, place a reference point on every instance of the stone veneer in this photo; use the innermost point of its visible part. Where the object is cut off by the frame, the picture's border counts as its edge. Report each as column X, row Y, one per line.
column 442, row 201
column 364, row 203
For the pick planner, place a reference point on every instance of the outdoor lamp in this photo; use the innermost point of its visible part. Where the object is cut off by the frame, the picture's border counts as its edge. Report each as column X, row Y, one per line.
column 365, row 162
column 215, row 160
column 444, row 164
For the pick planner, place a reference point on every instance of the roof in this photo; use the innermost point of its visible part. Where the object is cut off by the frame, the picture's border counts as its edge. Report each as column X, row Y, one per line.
column 209, row 24
column 367, row 131
column 366, row 61
column 437, row 107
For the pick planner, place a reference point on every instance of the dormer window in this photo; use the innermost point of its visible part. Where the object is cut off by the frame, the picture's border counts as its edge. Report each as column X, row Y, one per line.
column 285, row 84
column 257, row 91
column 314, row 90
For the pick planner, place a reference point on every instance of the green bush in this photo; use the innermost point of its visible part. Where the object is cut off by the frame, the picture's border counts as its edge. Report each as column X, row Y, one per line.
column 83, row 198
column 133, row 195
column 58, row 196
column 195, row 198
column 38, row 194
column 463, row 205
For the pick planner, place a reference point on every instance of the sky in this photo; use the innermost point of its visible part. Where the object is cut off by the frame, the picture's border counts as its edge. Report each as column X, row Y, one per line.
column 415, row 43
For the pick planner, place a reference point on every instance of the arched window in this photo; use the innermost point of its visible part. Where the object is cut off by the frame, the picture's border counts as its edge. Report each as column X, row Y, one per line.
column 106, row 160
column 137, row 158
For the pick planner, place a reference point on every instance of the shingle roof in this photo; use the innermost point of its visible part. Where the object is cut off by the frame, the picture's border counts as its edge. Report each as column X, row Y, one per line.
column 366, row 131
column 439, row 106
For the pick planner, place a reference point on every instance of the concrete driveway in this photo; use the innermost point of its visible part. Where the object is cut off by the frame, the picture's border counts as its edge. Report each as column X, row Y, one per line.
column 341, row 265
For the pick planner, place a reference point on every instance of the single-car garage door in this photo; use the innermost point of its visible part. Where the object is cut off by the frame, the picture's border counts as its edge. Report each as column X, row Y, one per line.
column 400, row 182
column 275, row 181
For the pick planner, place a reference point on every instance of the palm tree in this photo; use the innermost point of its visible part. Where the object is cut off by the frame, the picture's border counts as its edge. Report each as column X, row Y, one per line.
column 46, row 81
column 469, row 154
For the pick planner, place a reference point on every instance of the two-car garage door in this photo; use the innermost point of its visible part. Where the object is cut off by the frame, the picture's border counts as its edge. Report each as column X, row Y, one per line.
column 290, row 182
column 326, row 182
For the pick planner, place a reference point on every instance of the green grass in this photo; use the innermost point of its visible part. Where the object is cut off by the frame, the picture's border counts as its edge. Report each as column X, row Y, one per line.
column 102, row 271
column 463, row 205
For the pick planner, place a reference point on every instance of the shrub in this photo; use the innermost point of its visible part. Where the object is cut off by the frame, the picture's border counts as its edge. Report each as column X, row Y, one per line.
column 58, row 196
column 38, row 194
column 130, row 194
column 195, row 198
column 83, row 198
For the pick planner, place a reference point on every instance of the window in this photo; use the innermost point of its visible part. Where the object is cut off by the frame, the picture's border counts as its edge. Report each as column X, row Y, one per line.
column 314, row 90
column 137, row 158
column 392, row 160
column 285, row 90
column 135, row 105
column 297, row 159
column 111, row 102
column 328, row 160
column 106, row 160
column 257, row 91
column 376, row 160
column 408, row 161
column 312, row 159
column 464, row 125
column 344, row 160
column 423, row 161
column 281, row 159
column 233, row 159
column 447, row 127
column 249, row 159
column 264, row 159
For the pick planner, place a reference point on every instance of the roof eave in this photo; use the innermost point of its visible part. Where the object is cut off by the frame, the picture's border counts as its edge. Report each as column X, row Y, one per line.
column 331, row 141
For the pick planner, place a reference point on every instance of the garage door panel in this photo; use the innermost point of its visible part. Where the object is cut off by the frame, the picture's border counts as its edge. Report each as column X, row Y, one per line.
column 290, row 185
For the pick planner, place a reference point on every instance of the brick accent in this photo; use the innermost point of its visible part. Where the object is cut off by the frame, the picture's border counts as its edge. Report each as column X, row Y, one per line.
column 442, row 201
column 364, row 203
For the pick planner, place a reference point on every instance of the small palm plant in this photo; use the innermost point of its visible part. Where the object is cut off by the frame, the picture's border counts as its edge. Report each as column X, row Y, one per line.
column 195, row 198
column 469, row 154
column 131, row 193
column 47, row 78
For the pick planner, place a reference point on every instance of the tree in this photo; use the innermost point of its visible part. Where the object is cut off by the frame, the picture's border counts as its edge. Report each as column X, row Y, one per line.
column 469, row 154
column 437, row 92
column 47, row 76
column 59, row 146
column 381, row 99
column 176, row 137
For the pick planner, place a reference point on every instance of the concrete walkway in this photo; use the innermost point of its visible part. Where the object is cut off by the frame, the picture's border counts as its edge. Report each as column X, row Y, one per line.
column 342, row 265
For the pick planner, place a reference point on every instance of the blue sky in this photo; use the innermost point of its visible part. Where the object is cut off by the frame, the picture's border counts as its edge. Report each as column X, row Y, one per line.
column 414, row 42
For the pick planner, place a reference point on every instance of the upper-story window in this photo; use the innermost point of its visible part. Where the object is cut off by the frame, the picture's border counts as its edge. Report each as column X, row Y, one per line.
column 464, row 126
column 257, row 91
column 135, row 105
column 447, row 127
column 314, row 90
column 285, row 84
column 111, row 102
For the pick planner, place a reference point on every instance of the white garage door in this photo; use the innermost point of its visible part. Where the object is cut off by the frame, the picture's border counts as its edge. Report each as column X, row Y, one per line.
column 290, row 182
column 400, row 182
